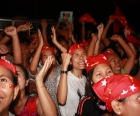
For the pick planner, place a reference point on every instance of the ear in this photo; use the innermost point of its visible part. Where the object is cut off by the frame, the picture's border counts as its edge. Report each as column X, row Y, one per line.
column 91, row 82
column 26, row 83
column 70, row 62
column 117, row 107
column 16, row 90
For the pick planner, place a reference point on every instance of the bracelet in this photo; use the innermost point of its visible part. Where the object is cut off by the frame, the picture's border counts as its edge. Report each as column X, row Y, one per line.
column 64, row 72
column 40, row 87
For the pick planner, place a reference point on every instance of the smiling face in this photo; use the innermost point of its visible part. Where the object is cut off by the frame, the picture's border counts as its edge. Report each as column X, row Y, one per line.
column 101, row 71
column 21, row 78
column 7, row 90
column 78, row 59
column 115, row 63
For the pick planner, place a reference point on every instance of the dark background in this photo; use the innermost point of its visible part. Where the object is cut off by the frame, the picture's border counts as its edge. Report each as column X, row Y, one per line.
column 99, row 9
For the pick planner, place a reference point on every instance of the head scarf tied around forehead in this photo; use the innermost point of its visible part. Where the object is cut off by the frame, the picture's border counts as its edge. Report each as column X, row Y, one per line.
column 93, row 61
column 7, row 64
column 44, row 48
column 116, row 87
column 75, row 47
column 108, row 53
column 85, row 43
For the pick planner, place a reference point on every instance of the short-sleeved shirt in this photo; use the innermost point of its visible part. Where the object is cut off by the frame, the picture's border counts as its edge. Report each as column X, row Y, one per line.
column 76, row 86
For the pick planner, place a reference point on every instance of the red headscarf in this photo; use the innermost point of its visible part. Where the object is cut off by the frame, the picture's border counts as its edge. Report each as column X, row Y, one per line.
column 85, row 43
column 108, row 53
column 116, row 87
column 7, row 64
column 93, row 61
column 75, row 47
column 44, row 48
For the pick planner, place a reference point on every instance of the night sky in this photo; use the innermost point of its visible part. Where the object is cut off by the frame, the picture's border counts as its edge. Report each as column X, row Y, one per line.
column 99, row 9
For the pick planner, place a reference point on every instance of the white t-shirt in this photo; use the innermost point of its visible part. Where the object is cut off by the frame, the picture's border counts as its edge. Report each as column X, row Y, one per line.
column 75, row 84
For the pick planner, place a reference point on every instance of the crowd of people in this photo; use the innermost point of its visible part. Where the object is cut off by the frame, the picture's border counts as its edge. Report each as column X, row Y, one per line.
column 95, row 73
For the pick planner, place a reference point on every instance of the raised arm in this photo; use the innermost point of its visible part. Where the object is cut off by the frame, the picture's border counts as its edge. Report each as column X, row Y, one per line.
column 44, row 25
column 46, row 103
column 91, row 48
column 130, row 54
column 63, row 86
column 12, row 32
column 100, row 31
column 83, row 32
column 54, row 40
column 36, row 56
column 103, row 37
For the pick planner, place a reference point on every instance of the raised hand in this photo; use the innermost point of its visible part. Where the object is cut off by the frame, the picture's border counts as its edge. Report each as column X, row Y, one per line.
column 44, row 69
column 10, row 31
column 111, row 19
column 66, row 59
column 3, row 49
column 54, row 34
column 25, row 27
column 115, row 37
column 100, row 28
column 40, row 38
column 44, row 23
column 94, row 36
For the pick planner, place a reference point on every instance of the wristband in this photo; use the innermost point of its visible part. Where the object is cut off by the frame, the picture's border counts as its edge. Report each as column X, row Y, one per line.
column 64, row 72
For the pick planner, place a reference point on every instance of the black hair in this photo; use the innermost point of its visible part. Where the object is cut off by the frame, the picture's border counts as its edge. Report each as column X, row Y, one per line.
column 90, row 92
column 24, row 71
column 88, row 86
column 14, row 78
column 26, row 75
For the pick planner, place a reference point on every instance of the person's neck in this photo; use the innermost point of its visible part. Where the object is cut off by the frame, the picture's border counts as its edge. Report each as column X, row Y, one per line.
column 77, row 73
column 4, row 113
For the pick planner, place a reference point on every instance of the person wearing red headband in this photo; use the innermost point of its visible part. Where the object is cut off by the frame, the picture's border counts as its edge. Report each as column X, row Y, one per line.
column 42, row 53
column 71, row 85
column 8, row 86
column 121, row 48
column 28, row 105
column 97, row 67
column 121, row 94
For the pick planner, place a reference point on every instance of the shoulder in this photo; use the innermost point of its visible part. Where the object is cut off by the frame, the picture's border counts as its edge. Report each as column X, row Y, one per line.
column 83, row 102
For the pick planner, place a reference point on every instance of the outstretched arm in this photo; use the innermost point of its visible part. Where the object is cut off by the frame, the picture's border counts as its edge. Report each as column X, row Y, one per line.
column 12, row 32
column 100, row 31
column 103, row 37
column 130, row 54
column 54, row 40
column 44, row 30
column 92, row 44
column 45, row 100
column 63, row 86
column 36, row 56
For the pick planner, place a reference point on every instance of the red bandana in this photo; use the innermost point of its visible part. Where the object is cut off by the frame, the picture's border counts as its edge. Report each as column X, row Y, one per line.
column 7, row 64
column 93, row 61
column 108, row 53
column 85, row 43
column 44, row 48
column 116, row 87
column 75, row 47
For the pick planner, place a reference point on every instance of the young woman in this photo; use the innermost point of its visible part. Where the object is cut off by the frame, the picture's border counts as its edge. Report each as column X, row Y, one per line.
column 41, row 54
column 8, row 86
column 121, row 94
column 33, row 106
column 71, row 85
column 97, row 67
